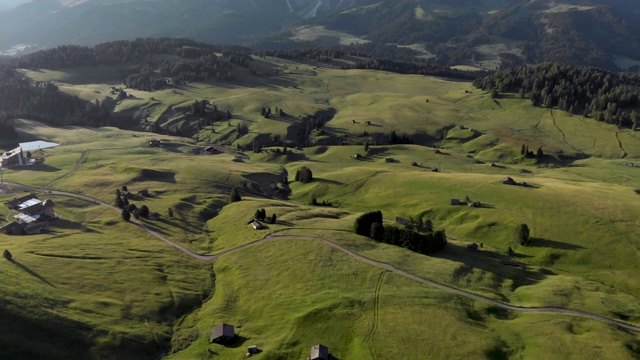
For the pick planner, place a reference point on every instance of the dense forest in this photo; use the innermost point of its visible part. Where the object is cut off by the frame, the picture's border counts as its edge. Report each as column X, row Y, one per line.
column 45, row 102
column 605, row 96
column 178, row 59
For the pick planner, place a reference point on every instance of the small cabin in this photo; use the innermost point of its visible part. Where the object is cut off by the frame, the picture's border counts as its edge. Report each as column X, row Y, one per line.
column 319, row 352
column 256, row 225
column 222, row 334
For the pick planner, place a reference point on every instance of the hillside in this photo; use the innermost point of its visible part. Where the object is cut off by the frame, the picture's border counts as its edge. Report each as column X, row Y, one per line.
column 309, row 278
column 483, row 34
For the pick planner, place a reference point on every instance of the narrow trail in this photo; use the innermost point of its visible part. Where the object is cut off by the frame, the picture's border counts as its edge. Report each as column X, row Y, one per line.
column 385, row 266
column 624, row 153
column 376, row 316
column 564, row 137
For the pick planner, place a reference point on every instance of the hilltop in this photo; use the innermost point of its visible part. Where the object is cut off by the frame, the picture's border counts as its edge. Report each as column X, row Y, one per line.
column 482, row 34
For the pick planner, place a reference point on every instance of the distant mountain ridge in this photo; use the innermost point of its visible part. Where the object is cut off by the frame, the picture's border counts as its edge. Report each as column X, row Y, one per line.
column 481, row 33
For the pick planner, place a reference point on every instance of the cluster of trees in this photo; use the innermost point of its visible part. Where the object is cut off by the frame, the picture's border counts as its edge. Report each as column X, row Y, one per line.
column 524, row 151
column 129, row 209
column 371, row 225
column 325, row 55
column 605, row 96
column 419, row 68
column 261, row 214
column 304, row 175
column 266, row 112
column 394, row 138
column 46, row 103
column 314, row 202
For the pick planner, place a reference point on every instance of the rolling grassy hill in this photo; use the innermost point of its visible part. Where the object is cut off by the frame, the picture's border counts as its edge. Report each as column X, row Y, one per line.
column 288, row 294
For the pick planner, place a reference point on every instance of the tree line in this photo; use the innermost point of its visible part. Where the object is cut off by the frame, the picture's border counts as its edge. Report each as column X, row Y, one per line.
column 125, row 52
column 605, row 96
column 371, row 225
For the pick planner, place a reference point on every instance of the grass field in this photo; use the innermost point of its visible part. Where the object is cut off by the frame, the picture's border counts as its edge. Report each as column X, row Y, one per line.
column 287, row 295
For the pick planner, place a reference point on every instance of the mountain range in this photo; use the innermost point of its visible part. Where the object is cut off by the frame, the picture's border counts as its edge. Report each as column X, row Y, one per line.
column 481, row 33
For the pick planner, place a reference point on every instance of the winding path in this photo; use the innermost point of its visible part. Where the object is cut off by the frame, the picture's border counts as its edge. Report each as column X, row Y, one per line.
column 268, row 238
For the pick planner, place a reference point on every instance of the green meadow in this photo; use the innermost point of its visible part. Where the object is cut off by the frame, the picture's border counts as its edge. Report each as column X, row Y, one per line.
column 122, row 291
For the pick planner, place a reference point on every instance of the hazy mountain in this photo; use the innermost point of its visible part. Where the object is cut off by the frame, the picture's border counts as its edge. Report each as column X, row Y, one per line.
column 484, row 33
column 9, row 4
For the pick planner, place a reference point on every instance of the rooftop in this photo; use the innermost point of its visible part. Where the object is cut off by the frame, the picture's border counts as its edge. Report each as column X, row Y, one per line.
column 37, row 145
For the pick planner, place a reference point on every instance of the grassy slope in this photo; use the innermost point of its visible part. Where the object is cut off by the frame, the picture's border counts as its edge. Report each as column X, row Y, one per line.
column 581, row 213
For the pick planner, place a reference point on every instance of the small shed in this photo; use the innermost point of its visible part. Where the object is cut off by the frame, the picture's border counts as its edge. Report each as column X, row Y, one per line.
column 253, row 349
column 256, row 225
column 223, row 333
column 455, row 201
column 319, row 352
column 508, row 181
column 472, row 247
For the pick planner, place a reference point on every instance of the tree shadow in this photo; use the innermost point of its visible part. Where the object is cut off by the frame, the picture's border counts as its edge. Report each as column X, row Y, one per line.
column 31, row 272
column 540, row 242
column 39, row 168
column 238, row 341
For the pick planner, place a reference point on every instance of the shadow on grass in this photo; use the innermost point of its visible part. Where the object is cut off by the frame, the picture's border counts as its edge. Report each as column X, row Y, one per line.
column 176, row 224
column 31, row 272
column 539, row 242
column 492, row 262
column 43, row 336
column 40, row 168
column 327, row 181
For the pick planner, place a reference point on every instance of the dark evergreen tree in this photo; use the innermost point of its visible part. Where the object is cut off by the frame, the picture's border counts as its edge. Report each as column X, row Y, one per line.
column 234, row 196
column 126, row 215
column 523, row 232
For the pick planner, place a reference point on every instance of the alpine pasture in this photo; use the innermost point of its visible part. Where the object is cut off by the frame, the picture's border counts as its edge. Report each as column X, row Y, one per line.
column 123, row 291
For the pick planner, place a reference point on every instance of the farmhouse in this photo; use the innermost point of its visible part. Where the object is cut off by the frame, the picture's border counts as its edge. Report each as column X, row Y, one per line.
column 319, row 352
column 12, row 158
column 33, row 215
column 14, row 204
column 223, row 333
column 15, row 228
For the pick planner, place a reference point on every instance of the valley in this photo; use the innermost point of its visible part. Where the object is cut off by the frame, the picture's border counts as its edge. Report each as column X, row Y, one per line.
column 308, row 278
